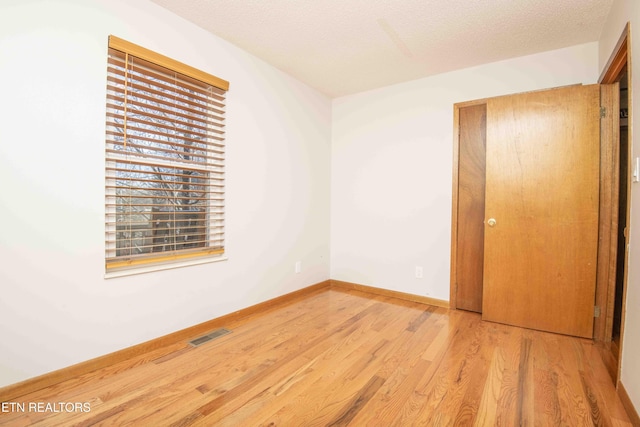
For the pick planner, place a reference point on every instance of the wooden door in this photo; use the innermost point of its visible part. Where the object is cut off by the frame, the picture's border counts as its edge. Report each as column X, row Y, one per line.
column 472, row 125
column 541, row 212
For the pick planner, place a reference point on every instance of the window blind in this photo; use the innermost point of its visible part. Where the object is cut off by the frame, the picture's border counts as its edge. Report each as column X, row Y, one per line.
column 165, row 152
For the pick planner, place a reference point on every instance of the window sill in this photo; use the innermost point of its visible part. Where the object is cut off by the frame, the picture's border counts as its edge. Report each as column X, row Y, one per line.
column 160, row 267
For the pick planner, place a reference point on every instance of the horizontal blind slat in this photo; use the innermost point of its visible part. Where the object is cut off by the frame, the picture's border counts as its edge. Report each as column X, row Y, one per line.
column 139, row 249
column 160, row 132
column 139, row 150
column 157, row 109
column 128, row 181
column 118, row 78
column 217, row 180
column 128, row 157
column 201, row 114
column 187, row 162
column 143, row 138
column 147, row 103
column 115, row 113
column 202, row 188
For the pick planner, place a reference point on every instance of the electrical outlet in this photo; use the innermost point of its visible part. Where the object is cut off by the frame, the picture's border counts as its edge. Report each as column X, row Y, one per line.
column 419, row 272
column 298, row 266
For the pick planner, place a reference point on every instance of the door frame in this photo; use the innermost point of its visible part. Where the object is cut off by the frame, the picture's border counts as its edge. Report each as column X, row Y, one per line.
column 606, row 286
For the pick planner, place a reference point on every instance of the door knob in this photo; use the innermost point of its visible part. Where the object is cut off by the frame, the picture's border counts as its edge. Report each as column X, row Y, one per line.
column 491, row 222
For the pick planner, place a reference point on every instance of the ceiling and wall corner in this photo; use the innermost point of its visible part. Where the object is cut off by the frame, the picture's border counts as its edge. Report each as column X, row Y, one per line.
column 341, row 47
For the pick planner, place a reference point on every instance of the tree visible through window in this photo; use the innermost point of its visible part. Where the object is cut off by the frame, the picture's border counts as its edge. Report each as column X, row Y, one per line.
column 164, row 159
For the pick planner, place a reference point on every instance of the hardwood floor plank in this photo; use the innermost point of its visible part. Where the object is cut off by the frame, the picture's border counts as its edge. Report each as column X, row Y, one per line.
column 570, row 388
column 351, row 409
column 524, row 405
column 479, row 372
column 488, row 406
column 603, row 385
column 347, row 358
column 547, row 405
column 507, row 414
column 592, row 401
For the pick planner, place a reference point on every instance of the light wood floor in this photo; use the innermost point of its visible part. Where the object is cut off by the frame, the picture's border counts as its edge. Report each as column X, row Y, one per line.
column 348, row 358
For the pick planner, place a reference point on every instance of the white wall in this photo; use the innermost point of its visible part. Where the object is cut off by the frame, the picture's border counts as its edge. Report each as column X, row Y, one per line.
column 624, row 11
column 56, row 309
column 391, row 173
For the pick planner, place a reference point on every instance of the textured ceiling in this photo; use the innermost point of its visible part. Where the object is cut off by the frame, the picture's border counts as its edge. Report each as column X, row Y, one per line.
column 342, row 47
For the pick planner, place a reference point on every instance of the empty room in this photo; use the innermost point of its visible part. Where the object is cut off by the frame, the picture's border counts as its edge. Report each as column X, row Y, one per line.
column 310, row 213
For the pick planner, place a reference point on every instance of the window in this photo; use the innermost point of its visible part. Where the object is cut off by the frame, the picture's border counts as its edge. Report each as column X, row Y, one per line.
column 164, row 159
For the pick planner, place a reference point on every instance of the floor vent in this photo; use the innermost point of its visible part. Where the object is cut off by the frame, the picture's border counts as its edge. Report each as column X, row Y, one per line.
column 206, row 338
